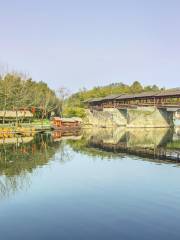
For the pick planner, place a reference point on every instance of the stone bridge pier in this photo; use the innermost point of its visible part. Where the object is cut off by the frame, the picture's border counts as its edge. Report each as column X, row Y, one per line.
column 146, row 117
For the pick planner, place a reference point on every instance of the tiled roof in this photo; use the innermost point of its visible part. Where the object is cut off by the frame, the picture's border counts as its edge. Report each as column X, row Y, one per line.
column 170, row 92
column 112, row 96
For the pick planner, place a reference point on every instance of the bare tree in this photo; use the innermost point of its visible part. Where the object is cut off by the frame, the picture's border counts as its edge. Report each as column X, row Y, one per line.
column 62, row 94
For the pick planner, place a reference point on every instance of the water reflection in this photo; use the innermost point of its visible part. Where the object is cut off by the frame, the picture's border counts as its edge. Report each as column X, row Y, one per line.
column 19, row 156
column 97, row 197
column 152, row 143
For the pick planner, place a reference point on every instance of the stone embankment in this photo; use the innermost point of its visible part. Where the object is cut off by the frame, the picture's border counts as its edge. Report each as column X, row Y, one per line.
column 146, row 117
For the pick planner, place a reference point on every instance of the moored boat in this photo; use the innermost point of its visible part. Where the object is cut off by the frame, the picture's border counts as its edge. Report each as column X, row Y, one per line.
column 65, row 124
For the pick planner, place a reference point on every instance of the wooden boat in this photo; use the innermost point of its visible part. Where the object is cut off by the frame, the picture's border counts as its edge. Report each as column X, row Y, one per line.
column 65, row 124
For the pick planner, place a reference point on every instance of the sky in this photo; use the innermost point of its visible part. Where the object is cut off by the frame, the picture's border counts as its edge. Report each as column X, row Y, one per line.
column 87, row 43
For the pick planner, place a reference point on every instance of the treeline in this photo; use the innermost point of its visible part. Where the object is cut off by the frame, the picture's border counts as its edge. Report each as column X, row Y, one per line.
column 75, row 103
column 18, row 92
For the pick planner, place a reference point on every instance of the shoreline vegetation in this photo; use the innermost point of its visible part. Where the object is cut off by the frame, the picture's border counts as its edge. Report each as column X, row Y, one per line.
column 19, row 93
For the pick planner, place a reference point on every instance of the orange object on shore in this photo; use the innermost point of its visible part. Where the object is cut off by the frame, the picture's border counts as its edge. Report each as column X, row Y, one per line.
column 65, row 123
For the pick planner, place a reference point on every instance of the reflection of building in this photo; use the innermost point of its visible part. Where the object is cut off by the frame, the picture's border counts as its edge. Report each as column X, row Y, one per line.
column 149, row 143
column 134, row 137
column 60, row 135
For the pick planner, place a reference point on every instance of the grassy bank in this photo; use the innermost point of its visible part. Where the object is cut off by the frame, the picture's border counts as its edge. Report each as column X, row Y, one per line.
column 37, row 124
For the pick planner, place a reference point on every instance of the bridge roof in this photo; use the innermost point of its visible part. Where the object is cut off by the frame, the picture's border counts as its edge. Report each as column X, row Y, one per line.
column 109, row 97
column 146, row 94
column 112, row 96
column 138, row 95
column 95, row 100
column 130, row 96
column 170, row 93
column 126, row 96
column 166, row 93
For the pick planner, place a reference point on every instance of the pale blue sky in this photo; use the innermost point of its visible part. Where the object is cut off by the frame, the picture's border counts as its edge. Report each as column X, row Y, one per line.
column 79, row 43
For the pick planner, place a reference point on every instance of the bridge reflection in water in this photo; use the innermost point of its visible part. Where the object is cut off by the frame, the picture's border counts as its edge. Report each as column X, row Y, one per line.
column 154, row 143
column 21, row 156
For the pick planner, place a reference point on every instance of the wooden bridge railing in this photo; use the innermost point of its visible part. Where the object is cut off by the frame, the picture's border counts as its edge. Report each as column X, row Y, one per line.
column 133, row 103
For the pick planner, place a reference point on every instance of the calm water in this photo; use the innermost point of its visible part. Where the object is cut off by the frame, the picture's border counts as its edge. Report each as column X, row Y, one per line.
column 95, row 185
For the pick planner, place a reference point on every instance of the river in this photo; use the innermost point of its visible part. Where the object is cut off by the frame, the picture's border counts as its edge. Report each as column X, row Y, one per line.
column 97, row 184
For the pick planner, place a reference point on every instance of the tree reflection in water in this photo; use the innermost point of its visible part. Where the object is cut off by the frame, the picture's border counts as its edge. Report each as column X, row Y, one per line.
column 21, row 155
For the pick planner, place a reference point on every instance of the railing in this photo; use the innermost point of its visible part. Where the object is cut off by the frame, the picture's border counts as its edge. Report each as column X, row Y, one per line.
column 136, row 103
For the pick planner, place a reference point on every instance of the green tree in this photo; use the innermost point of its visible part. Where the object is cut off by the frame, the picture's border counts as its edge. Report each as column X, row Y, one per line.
column 136, row 87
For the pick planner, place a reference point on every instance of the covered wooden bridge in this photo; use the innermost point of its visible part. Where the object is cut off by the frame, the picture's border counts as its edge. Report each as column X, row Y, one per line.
column 169, row 99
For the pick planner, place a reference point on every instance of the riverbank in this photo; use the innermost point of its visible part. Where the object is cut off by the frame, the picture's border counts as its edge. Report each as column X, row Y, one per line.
column 25, row 129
